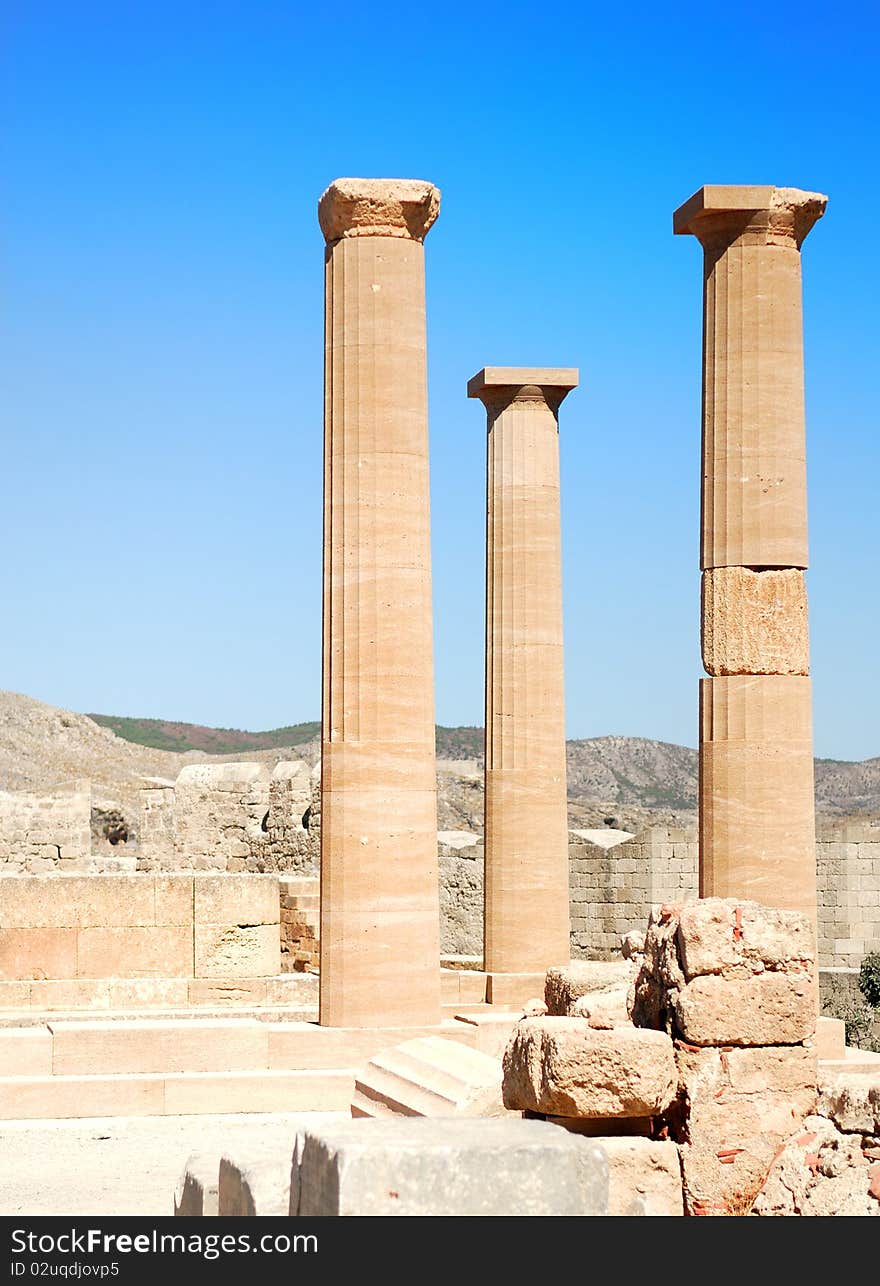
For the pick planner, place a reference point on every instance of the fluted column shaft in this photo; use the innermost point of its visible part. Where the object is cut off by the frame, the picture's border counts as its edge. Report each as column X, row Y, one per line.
column 757, row 827
column 379, row 891
column 526, row 924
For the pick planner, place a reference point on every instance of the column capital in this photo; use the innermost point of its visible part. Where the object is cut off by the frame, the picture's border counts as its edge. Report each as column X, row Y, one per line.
column 724, row 213
column 378, row 208
column 498, row 386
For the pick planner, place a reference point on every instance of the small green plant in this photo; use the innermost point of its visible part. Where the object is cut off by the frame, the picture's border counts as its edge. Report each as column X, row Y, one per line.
column 869, row 979
column 858, row 1020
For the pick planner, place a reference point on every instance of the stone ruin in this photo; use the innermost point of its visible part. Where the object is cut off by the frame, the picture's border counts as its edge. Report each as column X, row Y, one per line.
column 693, row 1077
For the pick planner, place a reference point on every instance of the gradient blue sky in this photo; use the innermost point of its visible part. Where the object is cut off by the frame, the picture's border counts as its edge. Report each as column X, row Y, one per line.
column 162, row 331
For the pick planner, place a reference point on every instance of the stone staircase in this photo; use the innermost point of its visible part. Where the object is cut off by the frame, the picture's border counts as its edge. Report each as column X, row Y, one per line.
column 428, row 1076
column 117, row 1064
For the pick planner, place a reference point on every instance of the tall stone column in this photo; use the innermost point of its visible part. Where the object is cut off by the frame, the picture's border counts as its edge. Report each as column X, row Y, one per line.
column 380, row 948
column 757, row 829
column 526, row 925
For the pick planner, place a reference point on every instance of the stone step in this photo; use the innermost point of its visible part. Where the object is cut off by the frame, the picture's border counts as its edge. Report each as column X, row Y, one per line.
column 98, row 994
column 429, row 1076
column 45, row 1097
column 304, row 902
column 300, row 885
column 265, row 1013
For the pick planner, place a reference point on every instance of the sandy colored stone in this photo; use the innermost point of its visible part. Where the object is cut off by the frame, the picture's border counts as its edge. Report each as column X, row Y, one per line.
column 128, row 1047
column 378, row 208
column 755, row 622
column 765, row 1009
column 235, row 899
column 160, row 952
column 37, row 953
column 644, row 1177
column 830, row 1038
column 379, row 909
column 237, row 951
column 737, row 1107
column 565, row 984
column 820, row 1171
column 563, row 1067
column 404, row 1167
column 852, row 1101
column 526, row 922
column 733, row 937
column 754, row 474
column 757, row 811
column 429, row 1076
column 25, row 1051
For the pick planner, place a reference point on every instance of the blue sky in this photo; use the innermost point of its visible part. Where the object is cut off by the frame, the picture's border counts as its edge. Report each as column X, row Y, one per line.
column 162, row 331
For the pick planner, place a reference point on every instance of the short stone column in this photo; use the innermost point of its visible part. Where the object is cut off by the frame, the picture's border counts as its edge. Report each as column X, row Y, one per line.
column 526, row 926
column 757, row 829
column 380, row 948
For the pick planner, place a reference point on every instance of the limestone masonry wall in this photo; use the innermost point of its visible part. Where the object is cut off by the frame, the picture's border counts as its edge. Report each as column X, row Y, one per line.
column 139, row 926
column 849, row 894
column 45, row 832
column 232, row 817
column 613, row 888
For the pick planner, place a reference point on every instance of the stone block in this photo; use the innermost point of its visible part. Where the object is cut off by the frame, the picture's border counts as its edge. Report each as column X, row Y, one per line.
column 738, row 1107
column 257, row 1091
column 563, row 1067
column 148, row 993
column 197, row 1190
column 734, row 936
column 242, row 900
column 37, row 953
column 429, row 1076
column 644, row 1177
column 237, row 951
column 830, row 1038
column 755, row 622
column 255, row 1185
column 403, row 1167
column 25, row 1051
column 174, row 899
column 852, row 1100
column 821, row 1171
column 765, row 1009
column 565, row 985
column 62, row 994
column 512, row 988
column 161, row 952
column 122, row 1047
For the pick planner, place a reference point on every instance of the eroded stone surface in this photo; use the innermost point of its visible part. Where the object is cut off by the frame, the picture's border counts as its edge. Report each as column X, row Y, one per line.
column 403, row 1167
column 564, row 985
column 378, row 208
column 822, row 1171
column 755, row 621
column 727, row 972
column 644, row 1177
column 737, row 1107
column 563, row 1067
column 767, row 1009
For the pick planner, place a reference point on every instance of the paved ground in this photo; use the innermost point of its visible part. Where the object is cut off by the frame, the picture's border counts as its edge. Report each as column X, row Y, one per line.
column 120, row 1165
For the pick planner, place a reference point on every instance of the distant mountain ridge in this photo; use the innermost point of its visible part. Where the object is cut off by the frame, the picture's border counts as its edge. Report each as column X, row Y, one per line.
column 628, row 771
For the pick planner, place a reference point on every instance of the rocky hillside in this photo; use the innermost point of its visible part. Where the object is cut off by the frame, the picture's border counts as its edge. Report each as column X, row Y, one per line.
column 625, row 782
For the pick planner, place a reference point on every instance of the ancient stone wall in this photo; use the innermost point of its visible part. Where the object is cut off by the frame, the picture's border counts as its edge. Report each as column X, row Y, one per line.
column 613, row 888
column 232, row 817
column 849, row 894
column 45, row 832
column 139, row 926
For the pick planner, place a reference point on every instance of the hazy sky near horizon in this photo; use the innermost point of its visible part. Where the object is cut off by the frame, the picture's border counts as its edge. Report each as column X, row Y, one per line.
column 161, row 354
